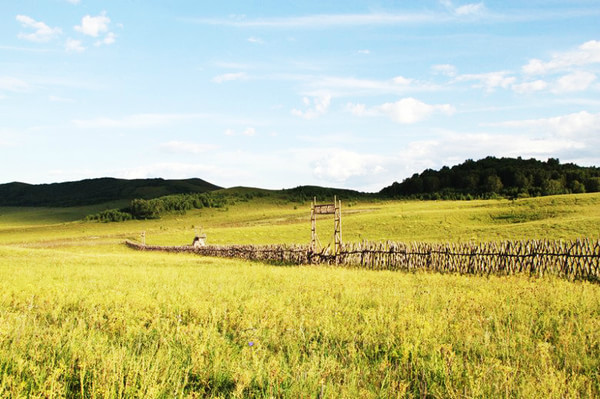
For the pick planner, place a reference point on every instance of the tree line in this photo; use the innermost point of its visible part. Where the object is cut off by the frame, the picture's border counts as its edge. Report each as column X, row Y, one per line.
column 497, row 177
column 154, row 208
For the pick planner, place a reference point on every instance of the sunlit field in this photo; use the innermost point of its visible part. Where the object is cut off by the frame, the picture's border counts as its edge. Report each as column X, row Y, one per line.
column 83, row 316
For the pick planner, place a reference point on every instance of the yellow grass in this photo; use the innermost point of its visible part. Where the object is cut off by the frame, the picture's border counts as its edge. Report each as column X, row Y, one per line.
column 83, row 316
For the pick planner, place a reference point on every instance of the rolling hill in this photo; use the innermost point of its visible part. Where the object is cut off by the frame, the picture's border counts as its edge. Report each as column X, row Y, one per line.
column 96, row 191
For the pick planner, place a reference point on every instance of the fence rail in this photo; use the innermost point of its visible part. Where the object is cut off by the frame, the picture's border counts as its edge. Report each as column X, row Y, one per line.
column 576, row 259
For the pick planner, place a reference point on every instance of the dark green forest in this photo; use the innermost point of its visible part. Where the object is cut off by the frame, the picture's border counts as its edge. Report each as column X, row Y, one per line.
column 154, row 208
column 498, row 177
column 96, row 191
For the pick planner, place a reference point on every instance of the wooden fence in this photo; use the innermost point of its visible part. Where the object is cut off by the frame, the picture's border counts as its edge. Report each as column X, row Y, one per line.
column 577, row 259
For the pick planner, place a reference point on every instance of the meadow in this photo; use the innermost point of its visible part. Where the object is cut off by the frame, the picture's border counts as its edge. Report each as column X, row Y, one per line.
column 81, row 315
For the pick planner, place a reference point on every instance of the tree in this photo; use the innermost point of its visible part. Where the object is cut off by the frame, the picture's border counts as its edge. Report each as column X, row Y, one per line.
column 493, row 184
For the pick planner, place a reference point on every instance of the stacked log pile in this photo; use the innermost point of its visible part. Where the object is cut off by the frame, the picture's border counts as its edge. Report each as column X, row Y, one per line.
column 577, row 259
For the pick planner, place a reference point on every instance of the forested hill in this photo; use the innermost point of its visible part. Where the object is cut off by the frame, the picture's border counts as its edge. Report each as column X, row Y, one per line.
column 95, row 191
column 489, row 177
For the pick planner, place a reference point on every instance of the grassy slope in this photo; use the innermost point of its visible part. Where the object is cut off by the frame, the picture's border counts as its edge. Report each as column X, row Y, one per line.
column 267, row 220
column 79, row 312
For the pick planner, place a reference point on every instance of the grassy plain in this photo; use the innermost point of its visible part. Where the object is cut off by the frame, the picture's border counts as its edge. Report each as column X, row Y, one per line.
column 82, row 316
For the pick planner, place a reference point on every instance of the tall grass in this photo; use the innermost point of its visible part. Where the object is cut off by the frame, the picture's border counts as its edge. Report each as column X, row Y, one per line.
column 82, row 316
column 121, row 324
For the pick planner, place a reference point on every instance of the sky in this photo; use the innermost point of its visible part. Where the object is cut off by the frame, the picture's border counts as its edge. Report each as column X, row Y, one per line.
column 274, row 94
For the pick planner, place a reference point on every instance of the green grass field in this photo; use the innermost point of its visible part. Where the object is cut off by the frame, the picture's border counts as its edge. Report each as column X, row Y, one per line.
column 83, row 316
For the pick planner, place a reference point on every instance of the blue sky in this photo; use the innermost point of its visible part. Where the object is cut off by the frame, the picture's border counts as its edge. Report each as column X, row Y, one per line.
column 275, row 95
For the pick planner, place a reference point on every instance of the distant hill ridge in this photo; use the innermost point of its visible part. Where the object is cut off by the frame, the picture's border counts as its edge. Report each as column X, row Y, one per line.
column 96, row 191
column 486, row 178
column 493, row 177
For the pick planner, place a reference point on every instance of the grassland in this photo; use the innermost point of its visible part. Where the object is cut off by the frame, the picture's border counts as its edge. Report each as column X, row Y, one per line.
column 82, row 316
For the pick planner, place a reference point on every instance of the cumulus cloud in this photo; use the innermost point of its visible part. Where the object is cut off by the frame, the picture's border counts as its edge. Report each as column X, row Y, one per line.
column 451, row 148
column 315, row 107
column 576, row 81
column 488, row 81
column 93, row 26
column 74, row 45
column 110, row 38
column 97, row 27
column 228, row 77
column 405, row 111
column 530, row 87
column 339, row 165
column 42, row 32
column 410, row 110
column 402, row 81
column 586, row 54
column 577, row 125
column 470, row 9
column 358, row 109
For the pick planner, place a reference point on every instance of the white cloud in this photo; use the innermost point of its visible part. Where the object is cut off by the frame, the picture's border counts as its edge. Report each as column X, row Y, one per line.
column 402, row 81
column 74, row 2
column 97, row 27
column 530, row 87
column 74, row 45
column 586, row 54
column 110, row 38
column 576, row 81
column 489, row 81
column 43, row 33
column 453, row 147
column 93, row 26
column 357, row 109
column 339, row 165
column 229, row 132
column 250, row 131
column 136, row 121
column 228, row 77
column 315, row 107
column 469, row 9
column 8, row 83
column 464, row 10
column 405, row 111
column 187, row 147
column 364, row 52
column 444, row 69
column 577, row 125
column 410, row 110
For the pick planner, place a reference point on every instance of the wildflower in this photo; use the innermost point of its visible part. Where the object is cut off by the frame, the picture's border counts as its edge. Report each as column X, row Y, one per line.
column 251, row 343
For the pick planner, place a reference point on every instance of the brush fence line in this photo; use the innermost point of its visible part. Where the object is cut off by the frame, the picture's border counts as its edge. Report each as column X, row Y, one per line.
column 577, row 259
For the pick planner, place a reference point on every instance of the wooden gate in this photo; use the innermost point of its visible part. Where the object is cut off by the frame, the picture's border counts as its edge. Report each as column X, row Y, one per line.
column 326, row 209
